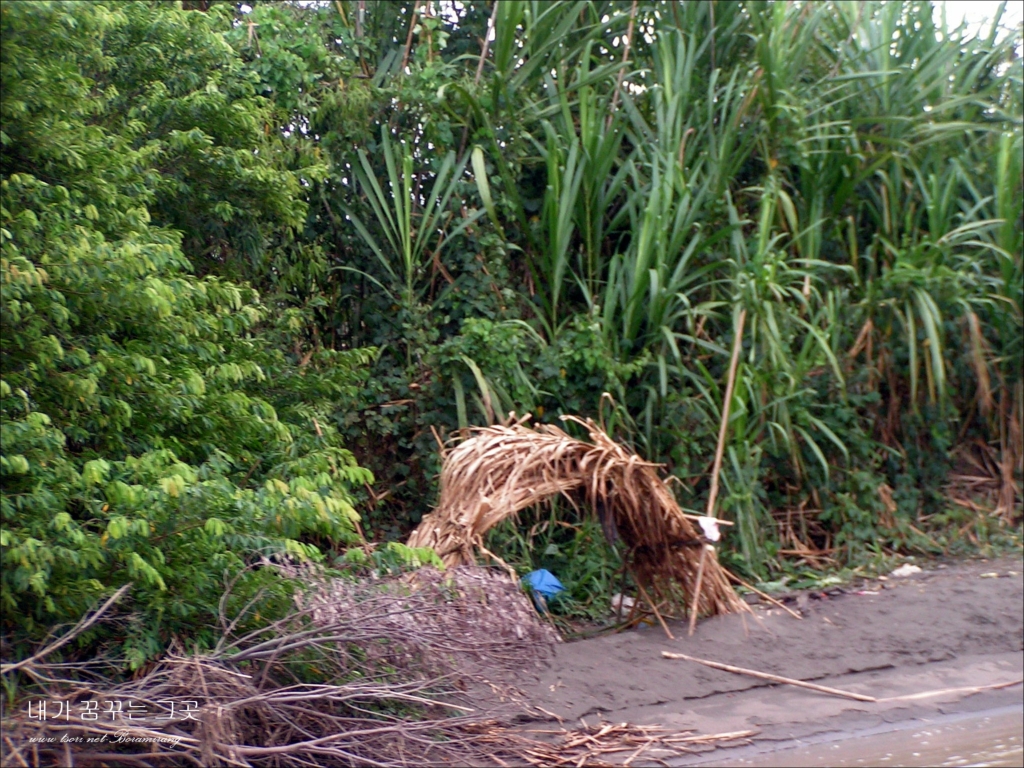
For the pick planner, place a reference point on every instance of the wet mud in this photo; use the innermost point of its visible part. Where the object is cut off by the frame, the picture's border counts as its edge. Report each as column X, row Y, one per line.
column 943, row 630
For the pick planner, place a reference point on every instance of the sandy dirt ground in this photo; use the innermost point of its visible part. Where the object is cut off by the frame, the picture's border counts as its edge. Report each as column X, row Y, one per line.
column 951, row 626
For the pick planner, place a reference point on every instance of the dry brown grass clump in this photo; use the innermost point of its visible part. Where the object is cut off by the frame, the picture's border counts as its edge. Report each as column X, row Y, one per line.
column 499, row 470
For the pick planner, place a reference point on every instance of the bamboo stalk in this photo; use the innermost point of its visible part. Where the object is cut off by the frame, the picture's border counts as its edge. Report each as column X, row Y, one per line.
column 622, row 68
column 767, row 676
column 484, row 47
column 737, row 343
column 696, row 590
column 408, row 41
column 486, row 44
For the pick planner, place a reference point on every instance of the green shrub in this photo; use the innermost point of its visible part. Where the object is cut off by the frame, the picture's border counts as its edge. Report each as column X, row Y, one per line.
column 155, row 430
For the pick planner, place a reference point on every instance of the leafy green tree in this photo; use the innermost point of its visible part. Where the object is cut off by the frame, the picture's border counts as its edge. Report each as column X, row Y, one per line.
column 158, row 428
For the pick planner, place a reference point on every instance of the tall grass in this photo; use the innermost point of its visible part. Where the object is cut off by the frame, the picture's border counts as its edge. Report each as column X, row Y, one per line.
column 849, row 174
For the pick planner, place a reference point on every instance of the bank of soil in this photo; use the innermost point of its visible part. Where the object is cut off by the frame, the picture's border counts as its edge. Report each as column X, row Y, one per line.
column 951, row 626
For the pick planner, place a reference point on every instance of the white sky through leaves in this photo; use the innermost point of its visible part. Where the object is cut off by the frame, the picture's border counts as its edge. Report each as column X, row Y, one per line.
column 979, row 13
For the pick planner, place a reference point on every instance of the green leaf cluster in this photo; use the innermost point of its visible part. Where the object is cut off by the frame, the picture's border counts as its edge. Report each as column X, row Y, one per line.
column 160, row 426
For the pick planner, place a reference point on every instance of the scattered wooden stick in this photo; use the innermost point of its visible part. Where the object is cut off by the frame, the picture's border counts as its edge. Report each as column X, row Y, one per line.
column 639, row 752
column 767, row 676
column 594, row 745
column 761, row 594
column 551, row 715
column 705, row 737
column 15, row 752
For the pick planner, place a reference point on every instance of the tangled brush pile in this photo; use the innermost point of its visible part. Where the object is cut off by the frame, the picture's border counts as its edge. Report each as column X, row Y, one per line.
column 499, row 470
column 402, row 671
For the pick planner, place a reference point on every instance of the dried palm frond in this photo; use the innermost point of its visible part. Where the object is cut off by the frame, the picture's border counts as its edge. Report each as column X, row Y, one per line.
column 499, row 470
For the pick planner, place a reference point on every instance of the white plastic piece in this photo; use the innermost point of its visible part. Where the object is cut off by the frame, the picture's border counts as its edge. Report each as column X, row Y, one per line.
column 625, row 602
column 710, row 527
column 906, row 570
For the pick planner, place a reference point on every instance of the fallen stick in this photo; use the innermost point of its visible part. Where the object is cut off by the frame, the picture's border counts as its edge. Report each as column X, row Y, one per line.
column 767, row 676
column 709, row 737
column 549, row 714
column 759, row 593
column 655, row 609
column 967, row 689
column 640, row 751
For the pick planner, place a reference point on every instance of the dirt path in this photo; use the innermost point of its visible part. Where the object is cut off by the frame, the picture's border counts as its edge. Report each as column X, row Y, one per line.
column 948, row 627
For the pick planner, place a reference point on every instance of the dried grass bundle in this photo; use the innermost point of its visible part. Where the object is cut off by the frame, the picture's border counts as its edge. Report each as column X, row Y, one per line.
column 499, row 470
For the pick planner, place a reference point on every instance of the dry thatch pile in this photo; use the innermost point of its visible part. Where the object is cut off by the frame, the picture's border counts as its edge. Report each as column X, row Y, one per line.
column 497, row 471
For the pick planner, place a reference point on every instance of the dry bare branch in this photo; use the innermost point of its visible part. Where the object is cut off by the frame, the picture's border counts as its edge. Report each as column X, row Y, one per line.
column 410, row 670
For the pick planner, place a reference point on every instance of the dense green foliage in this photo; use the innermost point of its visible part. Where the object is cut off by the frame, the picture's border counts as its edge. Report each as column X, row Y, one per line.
column 156, row 427
column 847, row 174
column 236, row 240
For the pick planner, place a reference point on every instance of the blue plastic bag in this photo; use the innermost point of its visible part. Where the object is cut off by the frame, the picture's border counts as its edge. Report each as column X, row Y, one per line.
column 543, row 586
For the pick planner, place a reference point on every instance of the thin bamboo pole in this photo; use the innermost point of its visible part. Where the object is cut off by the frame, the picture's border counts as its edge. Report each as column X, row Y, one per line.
column 737, row 344
column 696, row 590
column 408, row 41
column 628, row 43
column 484, row 47
column 767, row 676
